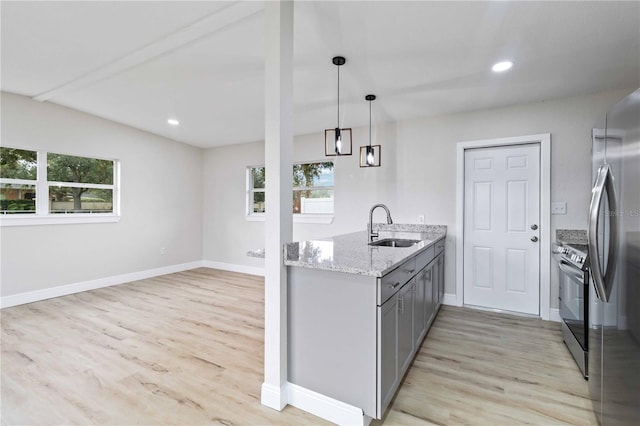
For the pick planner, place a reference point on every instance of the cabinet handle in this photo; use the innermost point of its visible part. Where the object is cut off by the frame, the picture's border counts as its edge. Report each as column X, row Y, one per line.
column 401, row 305
column 409, row 271
column 394, row 285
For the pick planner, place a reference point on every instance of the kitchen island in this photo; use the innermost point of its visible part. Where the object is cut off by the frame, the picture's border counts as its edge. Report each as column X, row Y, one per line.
column 357, row 314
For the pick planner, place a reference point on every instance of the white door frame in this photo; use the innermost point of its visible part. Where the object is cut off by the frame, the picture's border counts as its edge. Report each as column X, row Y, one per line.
column 544, row 140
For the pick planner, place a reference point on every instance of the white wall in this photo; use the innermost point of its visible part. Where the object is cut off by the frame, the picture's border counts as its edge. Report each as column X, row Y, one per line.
column 161, row 202
column 193, row 201
column 418, row 174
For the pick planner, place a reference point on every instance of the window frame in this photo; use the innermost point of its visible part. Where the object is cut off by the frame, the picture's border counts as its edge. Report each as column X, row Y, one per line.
column 318, row 218
column 42, row 215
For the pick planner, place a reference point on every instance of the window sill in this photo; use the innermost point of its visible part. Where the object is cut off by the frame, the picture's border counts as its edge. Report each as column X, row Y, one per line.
column 27, row 220
column 297, row 218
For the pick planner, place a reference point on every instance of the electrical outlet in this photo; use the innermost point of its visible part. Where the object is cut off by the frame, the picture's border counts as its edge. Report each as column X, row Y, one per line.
column 163, row 250
column 559, row 208
column 421, row 219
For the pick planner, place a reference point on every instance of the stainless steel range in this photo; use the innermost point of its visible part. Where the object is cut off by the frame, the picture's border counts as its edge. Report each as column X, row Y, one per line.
column 574, row 300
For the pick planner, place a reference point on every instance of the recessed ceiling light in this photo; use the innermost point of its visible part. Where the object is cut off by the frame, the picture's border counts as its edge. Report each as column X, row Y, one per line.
column 173, row 122
column 502, row 66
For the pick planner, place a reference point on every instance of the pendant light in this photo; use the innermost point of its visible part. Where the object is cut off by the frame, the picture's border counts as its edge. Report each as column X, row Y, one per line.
column 337, row 141
column 370, row 154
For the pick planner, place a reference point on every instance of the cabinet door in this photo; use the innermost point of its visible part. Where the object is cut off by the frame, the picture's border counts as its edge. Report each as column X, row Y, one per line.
column 436, row 290
column 388, row 375
column 418, row 310
column 429, row 296
column 405, row 326
column 440, row 278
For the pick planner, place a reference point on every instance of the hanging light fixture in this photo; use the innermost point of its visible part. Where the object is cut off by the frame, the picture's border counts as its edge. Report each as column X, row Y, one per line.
column 337, row 141
column 370, row 154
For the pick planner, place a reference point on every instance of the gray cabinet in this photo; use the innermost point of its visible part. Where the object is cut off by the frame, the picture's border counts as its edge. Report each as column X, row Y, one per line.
column 435, row 273
column 352, row 337
column 440, row 278
column 396, row 343
column 425, row 301
column 406, row 342
column 426, row 276
column 408, row 302
column 419, row 307
column 388, row 373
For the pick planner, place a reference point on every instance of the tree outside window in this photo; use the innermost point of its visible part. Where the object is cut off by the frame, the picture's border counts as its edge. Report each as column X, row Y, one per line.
column 312, row 188
column 71, row 184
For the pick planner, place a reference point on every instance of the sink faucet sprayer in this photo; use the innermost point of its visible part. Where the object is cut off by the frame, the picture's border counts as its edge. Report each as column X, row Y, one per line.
column 372, row 234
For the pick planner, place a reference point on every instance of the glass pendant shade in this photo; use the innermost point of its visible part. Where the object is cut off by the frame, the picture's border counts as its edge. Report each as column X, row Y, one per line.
column 337, row 141
column 370, row 154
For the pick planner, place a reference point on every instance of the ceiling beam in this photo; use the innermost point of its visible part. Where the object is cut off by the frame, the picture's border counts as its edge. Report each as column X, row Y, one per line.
column 219, row 20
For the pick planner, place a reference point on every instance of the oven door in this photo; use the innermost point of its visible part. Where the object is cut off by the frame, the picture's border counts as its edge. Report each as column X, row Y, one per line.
column 573, row 305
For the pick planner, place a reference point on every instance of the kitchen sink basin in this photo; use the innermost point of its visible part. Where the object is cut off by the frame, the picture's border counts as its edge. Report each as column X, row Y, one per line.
column 394, row 242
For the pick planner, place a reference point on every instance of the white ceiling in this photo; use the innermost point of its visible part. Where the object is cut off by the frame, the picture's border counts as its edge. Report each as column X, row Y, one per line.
column 139, row 63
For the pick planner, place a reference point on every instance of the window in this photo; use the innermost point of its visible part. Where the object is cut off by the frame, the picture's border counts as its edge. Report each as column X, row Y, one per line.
column 37, row 187
column 18, row 179
column 79, row 184
column 256, row 189
column 312, row 190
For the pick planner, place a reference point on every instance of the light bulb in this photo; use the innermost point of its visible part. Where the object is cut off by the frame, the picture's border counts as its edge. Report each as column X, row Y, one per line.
column 370, row 159
column 338, row 141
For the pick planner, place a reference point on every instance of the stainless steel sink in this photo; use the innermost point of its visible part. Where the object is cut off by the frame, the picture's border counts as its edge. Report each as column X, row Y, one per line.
column 394, row 242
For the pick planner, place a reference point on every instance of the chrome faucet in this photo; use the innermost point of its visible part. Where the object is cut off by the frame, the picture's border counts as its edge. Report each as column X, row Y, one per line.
column 372, row 234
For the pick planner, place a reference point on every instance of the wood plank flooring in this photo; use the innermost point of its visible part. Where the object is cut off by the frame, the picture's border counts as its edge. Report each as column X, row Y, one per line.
column 483, row 368
column 187, row 348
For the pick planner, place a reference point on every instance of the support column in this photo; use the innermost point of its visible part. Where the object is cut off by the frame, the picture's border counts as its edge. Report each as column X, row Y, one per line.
column 278, row 188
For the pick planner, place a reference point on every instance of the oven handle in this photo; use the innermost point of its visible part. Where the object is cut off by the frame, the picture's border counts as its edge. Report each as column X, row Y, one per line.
column 571, row 270
column 603, row 283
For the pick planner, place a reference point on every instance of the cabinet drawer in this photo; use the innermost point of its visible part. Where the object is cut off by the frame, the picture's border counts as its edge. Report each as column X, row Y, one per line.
column 439, row 247
column 424, row 258
column 394, row 280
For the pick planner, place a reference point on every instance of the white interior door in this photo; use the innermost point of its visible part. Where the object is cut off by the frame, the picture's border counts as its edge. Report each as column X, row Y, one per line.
column 501, row 228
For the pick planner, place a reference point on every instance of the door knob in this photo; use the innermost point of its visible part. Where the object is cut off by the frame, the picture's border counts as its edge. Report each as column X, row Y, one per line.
column 534, row 226
column 534, row 239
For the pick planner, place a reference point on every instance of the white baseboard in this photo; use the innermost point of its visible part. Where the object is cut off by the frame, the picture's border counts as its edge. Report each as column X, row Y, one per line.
column 554, row 315
column 251, row 270
column 274, row 397
column 325, row 407
column 64, row 290
column 450, row 299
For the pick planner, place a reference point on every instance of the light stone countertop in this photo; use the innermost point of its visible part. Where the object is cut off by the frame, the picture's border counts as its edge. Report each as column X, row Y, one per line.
column 351, row 254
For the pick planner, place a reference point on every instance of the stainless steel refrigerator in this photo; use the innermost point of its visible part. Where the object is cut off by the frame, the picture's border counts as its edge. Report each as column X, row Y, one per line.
column 614, row 255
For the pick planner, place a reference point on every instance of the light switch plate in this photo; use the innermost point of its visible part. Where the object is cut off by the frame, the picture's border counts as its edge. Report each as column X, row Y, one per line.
column 559, row 208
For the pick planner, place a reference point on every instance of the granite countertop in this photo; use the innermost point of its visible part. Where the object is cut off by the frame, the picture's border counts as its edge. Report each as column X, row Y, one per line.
column 350, row 253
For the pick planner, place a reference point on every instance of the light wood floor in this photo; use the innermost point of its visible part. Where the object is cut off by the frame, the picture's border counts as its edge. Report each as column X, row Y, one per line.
column 187, row 348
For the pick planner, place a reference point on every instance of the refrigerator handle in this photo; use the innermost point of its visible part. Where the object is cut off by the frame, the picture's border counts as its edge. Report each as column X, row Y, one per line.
column 603, row 282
